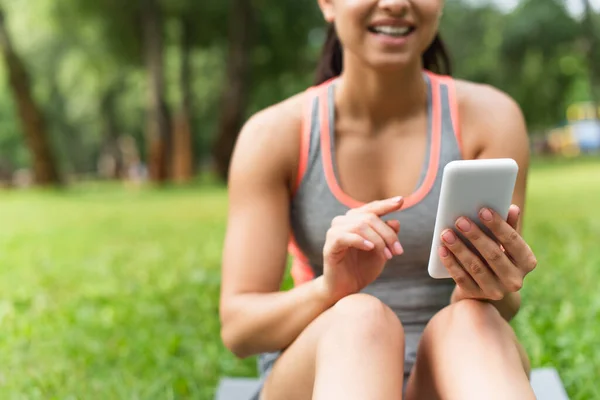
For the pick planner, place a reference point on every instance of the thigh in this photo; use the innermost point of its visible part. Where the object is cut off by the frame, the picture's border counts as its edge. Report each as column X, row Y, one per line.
column 468, row 345
column 293, row 373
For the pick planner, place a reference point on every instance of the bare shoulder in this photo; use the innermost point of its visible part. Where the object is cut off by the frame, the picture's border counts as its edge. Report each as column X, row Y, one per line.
column 269, row 142
column 491, row 121
column 477, row 97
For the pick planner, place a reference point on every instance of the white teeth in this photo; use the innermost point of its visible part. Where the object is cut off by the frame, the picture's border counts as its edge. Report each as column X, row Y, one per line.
column 392, row 30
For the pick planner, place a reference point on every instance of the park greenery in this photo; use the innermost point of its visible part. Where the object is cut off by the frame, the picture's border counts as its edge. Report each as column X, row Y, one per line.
column 104, row 87
column 110, row 290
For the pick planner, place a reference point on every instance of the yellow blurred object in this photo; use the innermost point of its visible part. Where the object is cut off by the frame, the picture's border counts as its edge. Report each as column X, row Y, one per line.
column 562, row 141
column 583, row 111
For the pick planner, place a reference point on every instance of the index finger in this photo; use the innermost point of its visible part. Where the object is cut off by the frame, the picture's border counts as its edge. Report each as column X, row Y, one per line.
column 382, row 207
column 513, row 216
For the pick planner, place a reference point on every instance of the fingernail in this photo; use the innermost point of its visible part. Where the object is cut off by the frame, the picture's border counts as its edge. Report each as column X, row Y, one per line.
column 449, row 236
column 398, row 248
column 369, row 244
column 388, row 253
column 486, row 214
column 443, row 252
column 397, row 199
column 463, row 224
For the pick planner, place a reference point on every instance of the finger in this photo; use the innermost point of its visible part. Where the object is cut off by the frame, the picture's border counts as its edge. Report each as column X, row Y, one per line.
column 508, row 273
column 394, row 224
column 460, row 276
column 339, row 220
column 340, row 241
column 479, row 271
column 510, row 239
column 389, row 236
column 382, row 207
column 514, row 213
column 368, row 233
column 343, row 220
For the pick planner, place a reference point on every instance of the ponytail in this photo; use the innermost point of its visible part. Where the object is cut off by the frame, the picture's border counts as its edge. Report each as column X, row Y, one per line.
column 435, row 58
column 330, row 63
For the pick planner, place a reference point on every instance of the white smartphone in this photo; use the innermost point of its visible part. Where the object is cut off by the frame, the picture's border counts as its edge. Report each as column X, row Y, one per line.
column 467, row 186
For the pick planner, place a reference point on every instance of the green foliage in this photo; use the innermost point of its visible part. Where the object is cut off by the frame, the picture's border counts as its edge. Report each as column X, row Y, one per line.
column 284, row 57
column 119, row 298
column 12, row 149
column 208, row 19
column 474, row 56
column 81, row 50
column 540, row 35
column 104, row 28
column 531, row 53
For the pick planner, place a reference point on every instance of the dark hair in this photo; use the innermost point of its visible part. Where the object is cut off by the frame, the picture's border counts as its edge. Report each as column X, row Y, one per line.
column 435, row 58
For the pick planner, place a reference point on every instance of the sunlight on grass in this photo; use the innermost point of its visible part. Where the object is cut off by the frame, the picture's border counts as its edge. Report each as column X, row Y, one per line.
column 113, row 293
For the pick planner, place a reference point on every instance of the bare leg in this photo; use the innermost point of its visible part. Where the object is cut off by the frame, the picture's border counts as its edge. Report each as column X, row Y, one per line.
column 355, row 350
column 468, row 351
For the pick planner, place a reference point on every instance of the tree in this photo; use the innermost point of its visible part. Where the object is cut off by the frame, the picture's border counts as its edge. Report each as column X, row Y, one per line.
column 110, row 131
column 158, row 120
column 182, row 155
column 592, row 52
column 131, row 37
column 539, row 35
column 31, row 116
column 234, row 94
column 269, row 58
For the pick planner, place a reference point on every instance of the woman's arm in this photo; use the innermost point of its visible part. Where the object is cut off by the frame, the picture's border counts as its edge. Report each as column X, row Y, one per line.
column 255, row 315
column 494, row 127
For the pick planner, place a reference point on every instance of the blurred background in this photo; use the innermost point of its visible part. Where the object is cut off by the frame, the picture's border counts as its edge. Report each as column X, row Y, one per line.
column 117, row 122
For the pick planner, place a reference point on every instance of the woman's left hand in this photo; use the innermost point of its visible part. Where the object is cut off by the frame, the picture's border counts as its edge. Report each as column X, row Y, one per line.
column 501, row 266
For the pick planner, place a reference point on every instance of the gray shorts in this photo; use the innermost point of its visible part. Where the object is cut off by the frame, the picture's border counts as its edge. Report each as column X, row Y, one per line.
column 265, row 365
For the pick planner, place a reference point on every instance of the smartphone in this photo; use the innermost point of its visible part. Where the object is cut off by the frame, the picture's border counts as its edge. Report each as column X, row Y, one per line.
column 467, row 186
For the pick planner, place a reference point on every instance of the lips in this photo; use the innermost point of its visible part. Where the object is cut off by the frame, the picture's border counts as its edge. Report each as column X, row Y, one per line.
column 392, row 30
column 392, row 27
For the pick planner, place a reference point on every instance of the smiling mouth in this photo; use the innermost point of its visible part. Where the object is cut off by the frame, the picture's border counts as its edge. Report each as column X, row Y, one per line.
column 393, row 31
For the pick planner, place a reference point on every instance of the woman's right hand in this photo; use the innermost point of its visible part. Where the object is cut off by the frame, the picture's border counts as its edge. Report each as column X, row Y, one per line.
column 358, row 245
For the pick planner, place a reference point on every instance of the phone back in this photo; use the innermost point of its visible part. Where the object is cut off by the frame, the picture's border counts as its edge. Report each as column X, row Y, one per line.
column 467, row 186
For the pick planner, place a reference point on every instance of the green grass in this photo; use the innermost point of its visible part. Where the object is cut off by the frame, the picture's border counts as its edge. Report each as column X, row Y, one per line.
column 108, row 292
column 560, row 319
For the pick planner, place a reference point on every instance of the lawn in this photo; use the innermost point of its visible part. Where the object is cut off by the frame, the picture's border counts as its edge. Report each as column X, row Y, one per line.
column 108, row 292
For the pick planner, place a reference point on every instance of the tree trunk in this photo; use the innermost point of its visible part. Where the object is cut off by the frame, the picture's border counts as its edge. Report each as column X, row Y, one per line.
column 69, row 138
column 158, row 130
column 182, row 155
column 235, row 87
column 592, row 53
column 34, row 127
column 111, row 155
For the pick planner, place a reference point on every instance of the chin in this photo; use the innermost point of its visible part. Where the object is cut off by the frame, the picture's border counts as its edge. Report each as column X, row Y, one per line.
column 395, row 63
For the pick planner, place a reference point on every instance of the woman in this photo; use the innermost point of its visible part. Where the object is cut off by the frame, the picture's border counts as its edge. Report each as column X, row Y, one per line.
column 351, row 170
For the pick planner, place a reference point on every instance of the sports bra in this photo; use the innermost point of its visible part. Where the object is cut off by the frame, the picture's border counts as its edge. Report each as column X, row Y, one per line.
column 404, row 285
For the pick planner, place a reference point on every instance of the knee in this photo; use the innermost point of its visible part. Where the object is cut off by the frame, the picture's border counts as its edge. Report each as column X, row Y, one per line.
column 469, row 318
column 475, row 314
column 368, row 316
